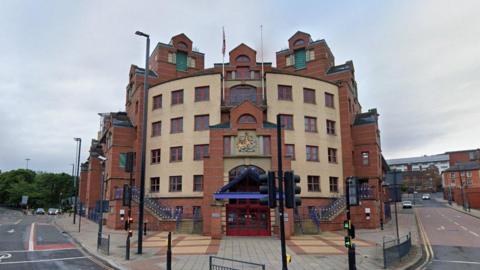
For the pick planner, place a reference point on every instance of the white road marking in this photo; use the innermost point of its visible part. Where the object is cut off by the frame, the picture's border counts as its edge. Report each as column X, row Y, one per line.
column 4, row 256
column 18, row 221
column 38, row 251
column 465, row 262
column 11, row 231
column 456, row 223
column 48, row 260
column 441, row 228
column 463, row 227
column 474, row 234
column 30, row 241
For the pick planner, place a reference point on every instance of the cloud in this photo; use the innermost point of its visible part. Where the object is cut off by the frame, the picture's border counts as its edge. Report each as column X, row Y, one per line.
column 63, row 62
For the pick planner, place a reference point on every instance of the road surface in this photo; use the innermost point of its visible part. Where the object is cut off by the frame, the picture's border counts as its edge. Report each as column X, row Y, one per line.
column 32, row 242
column 454, row 236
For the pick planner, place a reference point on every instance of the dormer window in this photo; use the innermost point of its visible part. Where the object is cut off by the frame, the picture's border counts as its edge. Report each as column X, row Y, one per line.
column 242, row 59
column 299, row 42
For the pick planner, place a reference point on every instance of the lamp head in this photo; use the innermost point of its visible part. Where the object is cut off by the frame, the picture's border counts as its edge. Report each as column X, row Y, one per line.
column 138, row 33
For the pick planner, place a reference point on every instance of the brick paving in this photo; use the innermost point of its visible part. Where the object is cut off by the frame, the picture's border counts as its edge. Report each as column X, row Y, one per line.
column 322, row 251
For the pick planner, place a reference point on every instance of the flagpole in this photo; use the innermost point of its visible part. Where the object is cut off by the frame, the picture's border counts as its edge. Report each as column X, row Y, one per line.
column 223, row 65
column 261, row 50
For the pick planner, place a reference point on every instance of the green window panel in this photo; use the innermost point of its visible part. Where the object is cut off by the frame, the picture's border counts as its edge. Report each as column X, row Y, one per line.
column 122, row 160
column 181, row 61
column 300, row 59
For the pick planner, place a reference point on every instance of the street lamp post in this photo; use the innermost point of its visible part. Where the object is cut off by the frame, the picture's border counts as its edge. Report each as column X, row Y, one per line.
column 100, row 218
column 75, row 182
column 144, row 139
column 27, row 159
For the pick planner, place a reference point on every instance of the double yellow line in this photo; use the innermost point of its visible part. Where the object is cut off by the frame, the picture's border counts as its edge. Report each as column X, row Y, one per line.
column 426, row 242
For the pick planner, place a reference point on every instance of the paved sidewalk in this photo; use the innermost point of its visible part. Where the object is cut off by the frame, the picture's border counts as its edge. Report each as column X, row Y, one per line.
column 473, row 212
column 323, row 251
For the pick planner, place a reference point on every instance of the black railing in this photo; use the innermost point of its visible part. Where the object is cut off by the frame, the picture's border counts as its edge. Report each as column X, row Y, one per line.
column 396, row 249
column 154, row 206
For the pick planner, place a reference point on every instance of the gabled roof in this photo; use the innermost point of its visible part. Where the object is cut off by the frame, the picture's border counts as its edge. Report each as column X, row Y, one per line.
column 242, row 45
column 301, row 33
column 182, row 35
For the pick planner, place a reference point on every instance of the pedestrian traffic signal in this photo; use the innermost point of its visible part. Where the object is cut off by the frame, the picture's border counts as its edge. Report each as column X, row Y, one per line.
column 348, row 242
column 347, row 224
column 267, row 186
column 352, row 191
column 291, row 189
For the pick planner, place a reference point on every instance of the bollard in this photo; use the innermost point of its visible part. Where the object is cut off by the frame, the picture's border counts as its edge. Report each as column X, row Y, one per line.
column 145, row 228
column 169, row 251
column 127, row 253
column 381, row 224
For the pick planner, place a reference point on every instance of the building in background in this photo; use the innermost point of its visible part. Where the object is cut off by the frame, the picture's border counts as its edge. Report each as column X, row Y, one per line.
column 207, row 144
column 441, row 161
column 462, row 184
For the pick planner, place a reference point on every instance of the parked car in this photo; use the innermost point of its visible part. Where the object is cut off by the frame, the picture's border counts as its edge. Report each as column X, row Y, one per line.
column 58, row 212
column 52, row 211
column 407, row 204
column 426, row 197
column 40, row 211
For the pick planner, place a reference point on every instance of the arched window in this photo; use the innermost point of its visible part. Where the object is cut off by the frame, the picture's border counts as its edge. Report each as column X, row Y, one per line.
column 247, row 119
column 299, row 42
column 182, row 45
column 239, row 94
column 243, row 59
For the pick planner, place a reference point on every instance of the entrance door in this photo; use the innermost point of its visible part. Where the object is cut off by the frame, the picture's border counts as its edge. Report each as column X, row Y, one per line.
column 248, row 220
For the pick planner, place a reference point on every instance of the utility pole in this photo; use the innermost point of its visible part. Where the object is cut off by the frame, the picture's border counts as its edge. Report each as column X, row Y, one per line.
column 352, row 199
column 395, row 202
column 27, row 159
column 280, row 193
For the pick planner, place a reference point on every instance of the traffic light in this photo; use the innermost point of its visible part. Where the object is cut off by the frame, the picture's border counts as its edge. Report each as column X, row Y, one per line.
column 348, row 242
column 267, row 186
column 291, row 189
column 347, row 225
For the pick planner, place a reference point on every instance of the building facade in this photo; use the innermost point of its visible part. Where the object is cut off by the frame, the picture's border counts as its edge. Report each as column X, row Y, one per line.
column 209, row 137
column 441, row 161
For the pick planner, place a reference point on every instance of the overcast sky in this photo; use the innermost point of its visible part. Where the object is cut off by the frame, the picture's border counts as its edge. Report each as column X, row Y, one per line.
column 62, row 62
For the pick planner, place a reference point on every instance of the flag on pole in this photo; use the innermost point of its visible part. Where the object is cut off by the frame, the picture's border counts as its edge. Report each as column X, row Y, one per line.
column 224, row 44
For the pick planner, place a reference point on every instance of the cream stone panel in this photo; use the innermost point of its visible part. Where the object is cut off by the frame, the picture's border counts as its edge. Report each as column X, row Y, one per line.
column 187, row 139
column 300, row 138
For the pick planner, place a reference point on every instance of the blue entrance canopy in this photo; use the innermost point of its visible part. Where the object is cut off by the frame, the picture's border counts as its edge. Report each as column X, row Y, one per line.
column 238, row 195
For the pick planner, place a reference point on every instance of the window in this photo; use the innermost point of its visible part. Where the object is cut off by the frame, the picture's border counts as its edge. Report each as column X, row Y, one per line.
column 197, row 211
column 365, row 158
column 312, row 153
column 290, row 151
column 201, row 122
column 154, row 184
column 242, row 59
column 266, row 145
column 157, row 102
column 332, row 155
column 333, row 184
column 309, row 95
column 182, row 45
column 247, row 119
column 330, row 127
column 469, row 174
column 200, row 151
column 177, row 97
column 198, row 183
column 181, row 59
column 300, row 59
column 156, row 128
column 176, row 153
column 239, row 94
column 175, row 184
column 310, row 55
column 313, row 183
column 202, row 93
column 299, row 42
column 122, row 160
column 452, row 177
column 227, row 151
column 284, row 92
column 286, row 120
column 310, row 124
column 176, row 125
column 329, row 101
column 155, row 156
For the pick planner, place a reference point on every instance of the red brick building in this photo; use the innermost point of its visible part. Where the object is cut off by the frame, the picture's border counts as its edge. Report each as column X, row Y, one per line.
column 206, row 145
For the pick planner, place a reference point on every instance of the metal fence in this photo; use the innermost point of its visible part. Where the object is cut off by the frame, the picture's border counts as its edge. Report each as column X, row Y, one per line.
column 394, row 250
column 104, row 244
column 218, row 263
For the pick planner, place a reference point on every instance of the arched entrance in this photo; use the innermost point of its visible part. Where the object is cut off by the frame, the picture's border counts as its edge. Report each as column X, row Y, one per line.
column 245, row 215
